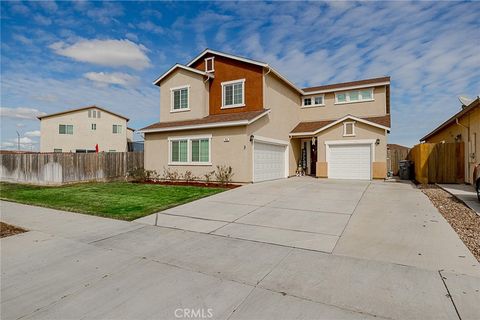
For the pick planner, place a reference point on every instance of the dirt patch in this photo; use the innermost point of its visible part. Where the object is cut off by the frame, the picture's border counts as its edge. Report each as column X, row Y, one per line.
column 462, row 219
column 7, row 230
column 194, row 184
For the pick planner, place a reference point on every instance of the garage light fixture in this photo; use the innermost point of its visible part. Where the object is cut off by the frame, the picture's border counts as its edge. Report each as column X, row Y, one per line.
column 377, row 142
column 252, row 137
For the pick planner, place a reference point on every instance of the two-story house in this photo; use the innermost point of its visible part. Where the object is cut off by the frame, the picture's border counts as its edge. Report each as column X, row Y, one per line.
column 82, row 129
column 222, row 109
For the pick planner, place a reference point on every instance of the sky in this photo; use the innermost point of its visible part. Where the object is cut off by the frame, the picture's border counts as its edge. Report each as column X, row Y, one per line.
column 62, row 55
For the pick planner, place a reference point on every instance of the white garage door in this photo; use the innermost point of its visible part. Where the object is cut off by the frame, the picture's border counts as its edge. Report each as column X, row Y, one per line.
column 350, row 162
column 268, row 161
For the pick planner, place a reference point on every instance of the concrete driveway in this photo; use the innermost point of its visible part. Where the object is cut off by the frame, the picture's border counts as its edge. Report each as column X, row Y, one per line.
column 394, row 258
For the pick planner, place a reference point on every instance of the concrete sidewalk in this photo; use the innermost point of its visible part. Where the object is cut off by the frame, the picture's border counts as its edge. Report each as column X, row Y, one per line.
column 465, row 193
column 83, row 267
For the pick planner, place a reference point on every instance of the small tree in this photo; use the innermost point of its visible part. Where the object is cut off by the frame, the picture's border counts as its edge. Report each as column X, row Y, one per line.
column 208, row 176
column 188, row 176
column 141, row 175
column 169, row 174
column 224, row 174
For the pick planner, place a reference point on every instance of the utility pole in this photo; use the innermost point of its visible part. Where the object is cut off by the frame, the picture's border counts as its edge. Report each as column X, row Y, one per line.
column 18, row 141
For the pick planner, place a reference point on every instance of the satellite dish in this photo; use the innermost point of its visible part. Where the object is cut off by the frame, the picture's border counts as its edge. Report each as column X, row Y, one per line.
column 465, row 101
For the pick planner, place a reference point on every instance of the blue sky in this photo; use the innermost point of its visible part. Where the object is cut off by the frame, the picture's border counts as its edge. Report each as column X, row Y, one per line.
column 56, row 56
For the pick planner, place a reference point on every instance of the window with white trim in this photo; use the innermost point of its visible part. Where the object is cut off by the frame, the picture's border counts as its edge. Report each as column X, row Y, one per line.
column 117, row 128
column 57, row 150
column 313, row 101
column 65, row 129
column 354, row 96
column 349, row 129
column 190, row 150
column 233, row 94
column 180, row 98
column 210, row 64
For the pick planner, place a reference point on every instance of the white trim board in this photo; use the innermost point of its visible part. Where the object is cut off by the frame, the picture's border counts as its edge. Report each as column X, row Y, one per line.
column 184, row 68
column 337, row 122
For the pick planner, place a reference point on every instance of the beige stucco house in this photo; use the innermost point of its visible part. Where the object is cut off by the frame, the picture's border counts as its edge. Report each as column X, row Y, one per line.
column 81, row 129
column 222, row 109
column 464, row 126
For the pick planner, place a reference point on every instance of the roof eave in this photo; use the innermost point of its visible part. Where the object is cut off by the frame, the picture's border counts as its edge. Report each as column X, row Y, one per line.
column 187, row 68
column 377, row 84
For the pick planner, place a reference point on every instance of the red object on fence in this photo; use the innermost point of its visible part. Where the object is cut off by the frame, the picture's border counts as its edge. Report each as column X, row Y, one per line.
column 96, row 148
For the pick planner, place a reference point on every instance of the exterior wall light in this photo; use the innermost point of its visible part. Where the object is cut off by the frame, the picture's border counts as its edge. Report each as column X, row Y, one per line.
column 377, row 142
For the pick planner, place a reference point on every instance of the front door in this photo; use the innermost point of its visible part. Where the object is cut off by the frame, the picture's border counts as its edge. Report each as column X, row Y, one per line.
column 313, row 158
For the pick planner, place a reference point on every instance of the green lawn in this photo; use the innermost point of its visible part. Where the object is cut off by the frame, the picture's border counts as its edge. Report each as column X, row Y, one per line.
column 118, row 200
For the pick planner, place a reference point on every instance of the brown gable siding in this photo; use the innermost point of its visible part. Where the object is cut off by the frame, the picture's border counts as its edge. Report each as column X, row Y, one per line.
column 227, row 70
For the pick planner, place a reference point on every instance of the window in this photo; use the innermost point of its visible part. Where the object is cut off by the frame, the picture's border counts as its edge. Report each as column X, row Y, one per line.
column 233, row 94
column 313, row 101
column 57, row 150
column 89, row 113
column 94, row 126
column 179, row 99
column 179, row 151
column 354, row 96
column 349, row 129
column 209, row 64
column 111, row 151
column 94, row 113
column 200, row 150
column 190, row 150
column 65, row 129
column 98, row 114
column 117, row 128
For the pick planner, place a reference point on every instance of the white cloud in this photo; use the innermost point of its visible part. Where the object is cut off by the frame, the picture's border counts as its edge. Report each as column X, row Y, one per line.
column 106, row 78
column 131, row 36
column 42, row 20
column 49, row 5
column 150, row 26
column 22, row 39
column 35, row 133
column 106, row 13
column 20, row 113
column 112, row 53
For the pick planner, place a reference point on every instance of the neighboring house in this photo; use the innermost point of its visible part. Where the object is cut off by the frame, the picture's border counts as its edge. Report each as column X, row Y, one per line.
column 222, row 109
column 80, row 130
column 464, row 126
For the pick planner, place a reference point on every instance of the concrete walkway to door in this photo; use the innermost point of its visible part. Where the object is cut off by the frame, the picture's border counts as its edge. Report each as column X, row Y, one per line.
column 385, row 221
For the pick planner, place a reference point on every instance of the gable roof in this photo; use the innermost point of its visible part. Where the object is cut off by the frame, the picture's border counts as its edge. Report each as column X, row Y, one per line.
column 227, row 55
column 348, row 85
column 178, row 65
column 474, row 104
column 314, row 127
column 211, row 121
column 80, row 109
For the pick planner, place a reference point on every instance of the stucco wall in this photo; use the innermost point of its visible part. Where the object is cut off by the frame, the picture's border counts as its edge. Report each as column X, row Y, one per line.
column 237, row 152
column 198, row 96
column 83, row 136
column 333, row 111
column 283, row 103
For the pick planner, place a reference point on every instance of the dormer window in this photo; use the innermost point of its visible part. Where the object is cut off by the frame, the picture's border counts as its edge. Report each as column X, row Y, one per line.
column 313, row 101
column 209, row 64
column 180, row 100
column 354, row 96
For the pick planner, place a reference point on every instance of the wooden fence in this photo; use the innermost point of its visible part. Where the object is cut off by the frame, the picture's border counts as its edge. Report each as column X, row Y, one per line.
column 394, row 156
column 59, row 168
column 439, row 162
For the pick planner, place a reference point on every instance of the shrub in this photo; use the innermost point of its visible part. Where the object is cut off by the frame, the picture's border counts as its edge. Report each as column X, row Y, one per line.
column 208, row 176
column 169, row 174
column 188, row 176
column 224, row 174
column 141, row 175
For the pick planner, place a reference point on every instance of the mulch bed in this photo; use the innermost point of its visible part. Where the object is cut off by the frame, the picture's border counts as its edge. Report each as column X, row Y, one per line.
column 7, row 230
column 194, row 184
column 462, row 219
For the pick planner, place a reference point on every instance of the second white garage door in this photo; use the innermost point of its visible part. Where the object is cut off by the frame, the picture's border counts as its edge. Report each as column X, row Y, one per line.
column 268, row 161
column 350, row 161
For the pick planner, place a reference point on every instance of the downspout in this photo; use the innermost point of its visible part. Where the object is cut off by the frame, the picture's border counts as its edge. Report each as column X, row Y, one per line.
column 467, row 151
column 264, row 84
column 207, row 102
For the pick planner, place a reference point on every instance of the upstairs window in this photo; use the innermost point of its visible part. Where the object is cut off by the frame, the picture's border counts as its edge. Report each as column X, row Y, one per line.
column 354, row 96
column 65, row 129
column 93, row 114
column 210, row 64
column 117, row 128
column 313, row 101
column 233, row 94
column 180, row 99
